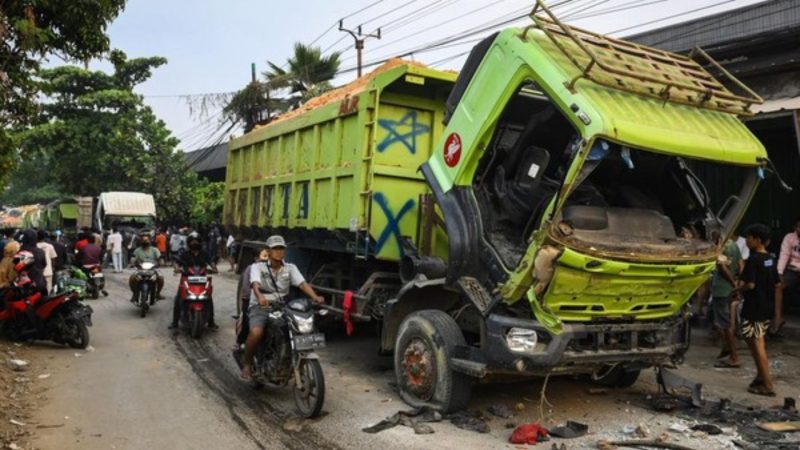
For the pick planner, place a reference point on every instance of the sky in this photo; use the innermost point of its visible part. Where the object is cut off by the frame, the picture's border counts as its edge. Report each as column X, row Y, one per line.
column 210, row 45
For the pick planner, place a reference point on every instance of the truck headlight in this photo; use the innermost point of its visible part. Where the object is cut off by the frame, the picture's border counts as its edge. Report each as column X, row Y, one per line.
column 521, row 340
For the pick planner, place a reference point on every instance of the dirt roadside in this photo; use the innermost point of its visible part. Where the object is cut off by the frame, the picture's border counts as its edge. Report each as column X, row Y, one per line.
column 22, row 373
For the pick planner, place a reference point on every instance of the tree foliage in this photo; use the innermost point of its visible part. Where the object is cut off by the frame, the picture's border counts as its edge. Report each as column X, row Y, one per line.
column 94, row 134
column 30, row 31
column 207, row 203
column 308, row 75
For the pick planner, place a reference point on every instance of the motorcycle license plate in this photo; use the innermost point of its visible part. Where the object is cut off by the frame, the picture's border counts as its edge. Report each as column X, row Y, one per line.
column 196, row 279
column 309, row 341
column 97, row 275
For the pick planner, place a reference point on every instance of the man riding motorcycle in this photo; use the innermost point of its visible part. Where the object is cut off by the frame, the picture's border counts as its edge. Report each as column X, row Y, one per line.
column 145, row 253
column 191, row 257
column 276, row 277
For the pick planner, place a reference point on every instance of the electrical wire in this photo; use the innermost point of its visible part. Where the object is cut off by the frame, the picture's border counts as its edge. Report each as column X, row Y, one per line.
column 632, row 27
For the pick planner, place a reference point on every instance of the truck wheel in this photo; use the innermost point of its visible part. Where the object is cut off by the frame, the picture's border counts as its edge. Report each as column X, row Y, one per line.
column 617, row 377
column 425, row 343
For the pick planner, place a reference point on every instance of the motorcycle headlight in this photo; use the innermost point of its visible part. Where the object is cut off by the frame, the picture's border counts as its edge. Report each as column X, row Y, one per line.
column 304, row 324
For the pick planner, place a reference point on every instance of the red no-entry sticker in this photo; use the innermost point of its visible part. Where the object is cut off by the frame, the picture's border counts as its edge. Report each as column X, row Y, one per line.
column 452, row 149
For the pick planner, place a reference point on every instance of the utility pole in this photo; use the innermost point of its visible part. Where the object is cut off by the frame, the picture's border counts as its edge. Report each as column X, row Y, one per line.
column 359, row 38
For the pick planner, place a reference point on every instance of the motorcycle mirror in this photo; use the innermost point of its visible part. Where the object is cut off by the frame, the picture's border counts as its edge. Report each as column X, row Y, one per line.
column 323, row 312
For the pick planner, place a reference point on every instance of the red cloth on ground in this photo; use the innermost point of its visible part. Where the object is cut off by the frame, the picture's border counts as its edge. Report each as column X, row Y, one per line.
column 529, row 433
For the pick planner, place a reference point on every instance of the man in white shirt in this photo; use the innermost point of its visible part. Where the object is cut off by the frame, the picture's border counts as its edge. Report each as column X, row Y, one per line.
column 50, row 255
column 114, row 246
column 275, row 277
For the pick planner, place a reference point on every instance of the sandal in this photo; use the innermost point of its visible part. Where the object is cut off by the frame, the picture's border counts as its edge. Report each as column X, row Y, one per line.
column 723, row 354
column 761, row 390
column 756, row 382
column 726, row 365
column 246, row 374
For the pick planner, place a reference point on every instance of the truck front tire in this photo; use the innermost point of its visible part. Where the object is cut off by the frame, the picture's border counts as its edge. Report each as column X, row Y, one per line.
column 424, row 346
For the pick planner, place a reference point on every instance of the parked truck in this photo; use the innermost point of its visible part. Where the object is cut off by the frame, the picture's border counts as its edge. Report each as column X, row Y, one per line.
column 542, row 212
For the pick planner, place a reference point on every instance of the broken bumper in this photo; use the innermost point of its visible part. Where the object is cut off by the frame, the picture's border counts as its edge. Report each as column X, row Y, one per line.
column 580, row 348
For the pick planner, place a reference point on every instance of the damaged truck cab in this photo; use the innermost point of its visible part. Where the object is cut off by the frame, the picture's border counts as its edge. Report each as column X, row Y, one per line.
column 541, row 213
column 578, row 226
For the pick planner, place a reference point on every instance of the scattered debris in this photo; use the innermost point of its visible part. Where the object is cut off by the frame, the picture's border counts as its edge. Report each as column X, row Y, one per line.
column 529, row 433
column 570, row 430
column 13, row 446
column 500, row 410
column 469, row 420
column 18, row 365
column 520, row 407
column 44, row 376
column 78, row 355
column 641, row 431
column 563, row 446
column 415, row 418
column 780, row 427
column 673, row 384
column 637, row 443
column 789, row 404
column 17, row 423
column 707, row 428
column 678, row 428
column 88, row 349
column 628, row 429
column 597, row 391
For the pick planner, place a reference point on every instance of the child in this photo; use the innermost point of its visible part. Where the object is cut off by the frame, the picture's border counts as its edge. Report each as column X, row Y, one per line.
column 760, row 285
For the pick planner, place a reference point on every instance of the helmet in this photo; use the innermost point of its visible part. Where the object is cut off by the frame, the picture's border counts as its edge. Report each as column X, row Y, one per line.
column 193, row 237
column 22, row 260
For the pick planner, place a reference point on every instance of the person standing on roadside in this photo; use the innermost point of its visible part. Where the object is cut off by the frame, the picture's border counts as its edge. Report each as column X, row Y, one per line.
column 35, row 270
column 114, row 246
column 175, row 244
column 61, row 252
column 760, row 286
column 161, row 242
column 788, row 269
column 729, row 265
column 50, row 256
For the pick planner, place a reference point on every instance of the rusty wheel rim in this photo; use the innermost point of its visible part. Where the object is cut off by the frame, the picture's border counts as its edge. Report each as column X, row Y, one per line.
column 419, row 369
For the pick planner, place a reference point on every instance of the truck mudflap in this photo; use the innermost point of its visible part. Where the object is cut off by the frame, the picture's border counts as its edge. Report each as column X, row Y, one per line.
column 579, row 348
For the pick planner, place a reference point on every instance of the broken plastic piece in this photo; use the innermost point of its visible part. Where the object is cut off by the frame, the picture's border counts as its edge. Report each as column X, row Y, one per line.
column 570, row 430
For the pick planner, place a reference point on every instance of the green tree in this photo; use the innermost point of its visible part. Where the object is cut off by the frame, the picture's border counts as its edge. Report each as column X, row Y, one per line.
column 207, row 202
column 30, row 31
column 309, row 72
column 94, row 134
column 308, row 75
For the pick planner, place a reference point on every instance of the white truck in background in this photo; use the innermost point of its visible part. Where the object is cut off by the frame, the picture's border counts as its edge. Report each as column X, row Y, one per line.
column 131, row 212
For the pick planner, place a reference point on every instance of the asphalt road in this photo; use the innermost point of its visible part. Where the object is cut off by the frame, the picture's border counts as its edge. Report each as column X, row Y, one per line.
column 140, row 387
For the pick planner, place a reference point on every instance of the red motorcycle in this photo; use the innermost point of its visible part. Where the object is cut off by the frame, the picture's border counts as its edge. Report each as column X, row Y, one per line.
column 195, row 290
column 28, row 315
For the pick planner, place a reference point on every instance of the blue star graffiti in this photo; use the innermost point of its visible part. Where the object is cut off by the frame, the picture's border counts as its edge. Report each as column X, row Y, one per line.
column 392, row 229
column 404, row 131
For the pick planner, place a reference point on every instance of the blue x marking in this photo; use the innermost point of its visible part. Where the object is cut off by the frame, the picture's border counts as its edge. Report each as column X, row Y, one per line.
column 393, row 222
column 409, row 138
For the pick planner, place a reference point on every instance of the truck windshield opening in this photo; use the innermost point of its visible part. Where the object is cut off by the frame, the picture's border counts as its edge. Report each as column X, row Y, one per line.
column 627, row 201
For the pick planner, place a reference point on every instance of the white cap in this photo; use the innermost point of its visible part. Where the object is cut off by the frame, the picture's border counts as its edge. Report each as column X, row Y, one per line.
column 275, row 241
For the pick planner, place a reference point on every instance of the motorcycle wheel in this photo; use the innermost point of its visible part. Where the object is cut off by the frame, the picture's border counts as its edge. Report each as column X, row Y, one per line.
column 94, row 293
column 143, row 306
column 78, row 336
column 309, row 397
column 196, row 323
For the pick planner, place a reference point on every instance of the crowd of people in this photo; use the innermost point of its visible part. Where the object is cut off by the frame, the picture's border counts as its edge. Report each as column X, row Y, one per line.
column 747, row 295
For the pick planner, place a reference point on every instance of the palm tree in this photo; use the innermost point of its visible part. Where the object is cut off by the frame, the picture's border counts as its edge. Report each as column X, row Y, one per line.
column 309, row 73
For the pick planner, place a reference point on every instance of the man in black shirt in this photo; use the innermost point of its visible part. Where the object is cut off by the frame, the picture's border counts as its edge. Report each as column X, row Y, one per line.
column 760, row 285
column 191, row 257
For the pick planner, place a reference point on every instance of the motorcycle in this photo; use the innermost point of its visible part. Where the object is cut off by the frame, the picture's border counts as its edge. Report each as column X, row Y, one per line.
column 96, row 280
column 28, row 315
column 195, row 290
column 147, row 277
column 286, row 354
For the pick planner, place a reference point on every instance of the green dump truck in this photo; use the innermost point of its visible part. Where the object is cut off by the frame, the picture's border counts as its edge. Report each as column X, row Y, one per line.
column 541, row 213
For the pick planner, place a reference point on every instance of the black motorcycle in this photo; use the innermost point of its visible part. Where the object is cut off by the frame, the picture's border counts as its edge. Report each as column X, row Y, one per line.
column 147, row 278
column 286, row 354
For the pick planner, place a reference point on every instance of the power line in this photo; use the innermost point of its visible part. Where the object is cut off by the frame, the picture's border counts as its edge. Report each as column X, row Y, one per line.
column 670, row 17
